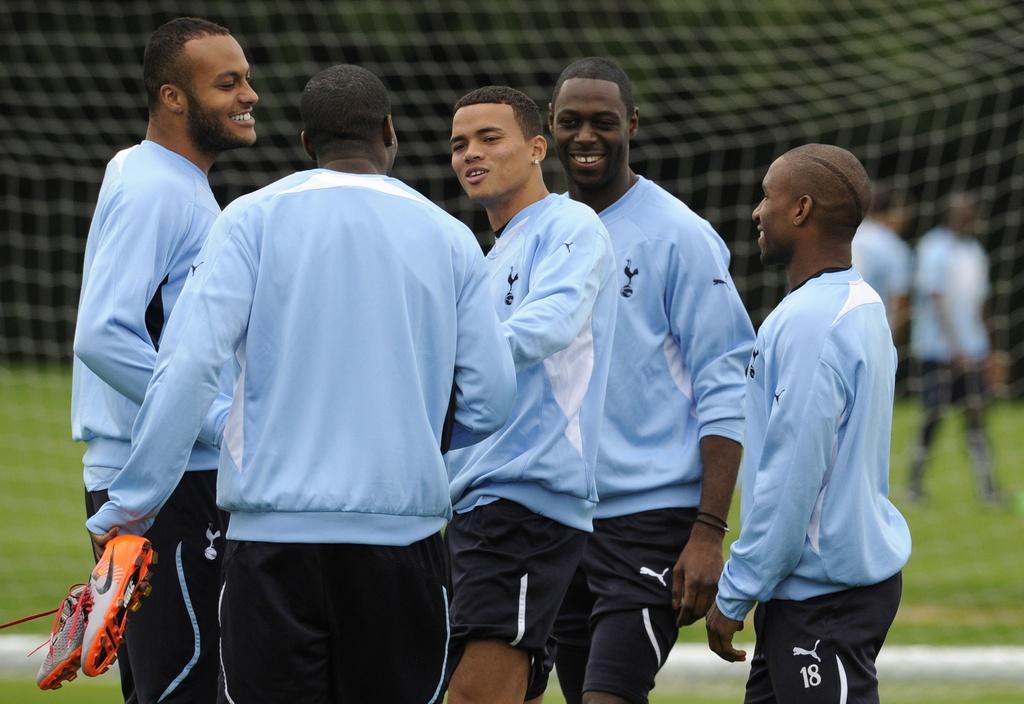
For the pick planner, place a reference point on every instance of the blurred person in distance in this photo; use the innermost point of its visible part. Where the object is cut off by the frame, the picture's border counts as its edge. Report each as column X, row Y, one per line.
column 883, row 258
column 950, row 339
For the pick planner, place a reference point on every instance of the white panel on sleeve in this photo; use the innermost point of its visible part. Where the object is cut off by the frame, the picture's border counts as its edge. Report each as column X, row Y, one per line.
column 234, row 428
column 569, row 372
column 676, row 369
column 860, row 294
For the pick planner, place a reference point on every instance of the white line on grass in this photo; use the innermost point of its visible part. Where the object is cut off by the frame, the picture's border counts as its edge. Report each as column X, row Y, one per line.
column 689, row 662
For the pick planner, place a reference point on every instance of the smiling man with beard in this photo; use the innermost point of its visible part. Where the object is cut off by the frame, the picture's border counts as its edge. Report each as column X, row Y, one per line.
column 669, row 446
column 154, row 211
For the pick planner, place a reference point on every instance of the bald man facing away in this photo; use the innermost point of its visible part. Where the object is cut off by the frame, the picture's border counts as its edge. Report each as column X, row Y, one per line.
column 822, row 548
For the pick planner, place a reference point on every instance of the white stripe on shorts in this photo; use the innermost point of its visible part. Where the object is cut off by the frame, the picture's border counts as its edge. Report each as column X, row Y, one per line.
column 447, row 642
column 650, row 635
column 521, row 621
column 220, row 642
column 842, row 680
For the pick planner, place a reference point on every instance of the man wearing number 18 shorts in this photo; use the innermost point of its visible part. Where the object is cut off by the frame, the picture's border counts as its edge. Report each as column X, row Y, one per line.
column 822, row 547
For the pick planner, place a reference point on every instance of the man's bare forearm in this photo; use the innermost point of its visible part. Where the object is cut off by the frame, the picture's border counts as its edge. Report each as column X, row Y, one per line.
column 721, row 460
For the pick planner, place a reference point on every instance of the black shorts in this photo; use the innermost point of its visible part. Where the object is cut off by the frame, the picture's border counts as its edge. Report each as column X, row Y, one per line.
column 619, row 607
column 169, row 652
column 311, row 623
column 510, row 570
column 942, row 385
column 822, row 650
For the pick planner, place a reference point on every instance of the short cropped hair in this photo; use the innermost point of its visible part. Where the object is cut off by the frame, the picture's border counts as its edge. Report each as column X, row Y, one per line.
column 164, row 59
column 524, row 109
column 344, row 103
column 601, row 69
column 837, row 181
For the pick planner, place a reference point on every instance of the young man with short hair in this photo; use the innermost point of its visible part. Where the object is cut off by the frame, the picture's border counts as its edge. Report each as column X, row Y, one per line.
column 352, row 305
column 673, row 419
column 525, row 497
column 154, row 211
column 822, row 547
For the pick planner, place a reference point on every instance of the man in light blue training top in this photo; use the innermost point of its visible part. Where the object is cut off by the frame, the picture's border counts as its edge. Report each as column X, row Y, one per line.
column 673, row 417
column 883, row 258
column 950, row 339
column 525, row 497
column 352, row 304
column 154, row 211
column 822, row 547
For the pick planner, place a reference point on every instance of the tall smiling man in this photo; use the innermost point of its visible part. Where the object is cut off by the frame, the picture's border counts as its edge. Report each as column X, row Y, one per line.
column 525, row 497
column 822, row 547
column 154, row 211
column 669, row 448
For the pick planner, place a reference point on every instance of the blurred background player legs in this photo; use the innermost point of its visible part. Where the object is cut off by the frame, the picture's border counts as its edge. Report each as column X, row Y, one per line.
column 950, row 339
column 963, row 385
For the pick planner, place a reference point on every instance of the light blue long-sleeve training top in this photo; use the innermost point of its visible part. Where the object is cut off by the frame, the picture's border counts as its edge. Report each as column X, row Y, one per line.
column 154, row 211
column 552, row 275
column 350, row 303
column 682, row 341
column 815, row 512
column 958, row 269
column 885, row 261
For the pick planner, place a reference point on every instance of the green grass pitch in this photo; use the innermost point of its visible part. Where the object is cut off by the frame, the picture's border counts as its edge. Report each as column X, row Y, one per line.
column 105, row 690
column 962, row 586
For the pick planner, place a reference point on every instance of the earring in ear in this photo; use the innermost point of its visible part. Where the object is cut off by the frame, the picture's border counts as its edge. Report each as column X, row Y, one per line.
column 536, row 162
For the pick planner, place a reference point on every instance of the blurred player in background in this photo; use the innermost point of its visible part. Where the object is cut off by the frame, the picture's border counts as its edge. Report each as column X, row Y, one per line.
column 950, row 338
column 673, row 416
column 822, row 547
column 348, row 299
column 524, row 498
column 883, row 258
column 154, row 211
